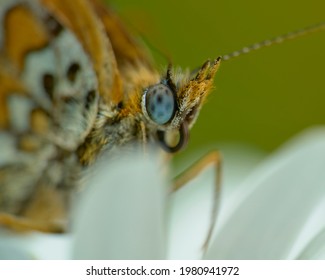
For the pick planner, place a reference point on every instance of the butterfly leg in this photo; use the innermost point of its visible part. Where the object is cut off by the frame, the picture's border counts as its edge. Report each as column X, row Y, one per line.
column 212, row 158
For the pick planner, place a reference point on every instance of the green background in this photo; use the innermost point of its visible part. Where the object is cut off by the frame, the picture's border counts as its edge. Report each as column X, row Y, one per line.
column 261, row 99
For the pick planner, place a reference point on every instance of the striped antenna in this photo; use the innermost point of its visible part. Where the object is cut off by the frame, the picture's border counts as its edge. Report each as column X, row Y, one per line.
column 276, row 40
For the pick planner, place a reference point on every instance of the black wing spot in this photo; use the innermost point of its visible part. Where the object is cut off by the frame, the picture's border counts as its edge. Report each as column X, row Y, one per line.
column 53, row 26
column 91, row 95
column 72, row 72
column 49, row 84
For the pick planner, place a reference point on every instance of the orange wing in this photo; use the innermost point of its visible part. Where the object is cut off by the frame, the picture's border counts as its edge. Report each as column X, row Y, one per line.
column 127, row 49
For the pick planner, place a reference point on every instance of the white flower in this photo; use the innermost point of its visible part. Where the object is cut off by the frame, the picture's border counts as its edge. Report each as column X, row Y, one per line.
column 275, row 210
column 279, row 212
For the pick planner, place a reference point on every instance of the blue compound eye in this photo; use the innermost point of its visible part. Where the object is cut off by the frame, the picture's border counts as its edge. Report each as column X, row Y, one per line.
column 160, row 103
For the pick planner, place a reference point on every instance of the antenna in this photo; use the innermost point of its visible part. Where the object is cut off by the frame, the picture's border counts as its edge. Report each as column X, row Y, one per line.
column 277, row 40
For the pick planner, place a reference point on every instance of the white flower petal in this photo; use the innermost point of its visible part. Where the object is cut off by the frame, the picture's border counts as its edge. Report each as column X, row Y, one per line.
column 315, row 249
column 34, row 245
column 190, row 207
column 122, row 214
column 278, row 213
column 189, row 217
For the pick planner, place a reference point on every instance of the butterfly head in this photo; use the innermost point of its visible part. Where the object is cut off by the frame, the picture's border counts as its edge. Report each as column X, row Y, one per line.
column 173, row 104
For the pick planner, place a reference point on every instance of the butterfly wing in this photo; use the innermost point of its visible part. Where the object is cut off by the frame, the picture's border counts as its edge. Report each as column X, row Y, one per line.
column 80, row 17
column 48, row 104
column 127, row 49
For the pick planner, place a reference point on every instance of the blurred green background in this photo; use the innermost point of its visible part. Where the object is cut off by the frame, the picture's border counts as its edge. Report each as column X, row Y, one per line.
column 261, row 99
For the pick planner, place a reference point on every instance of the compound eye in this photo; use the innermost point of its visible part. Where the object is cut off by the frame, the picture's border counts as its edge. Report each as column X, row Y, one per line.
column 160, row 104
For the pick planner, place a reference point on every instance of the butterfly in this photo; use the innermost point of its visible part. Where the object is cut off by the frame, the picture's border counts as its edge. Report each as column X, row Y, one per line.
column 76, row 83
